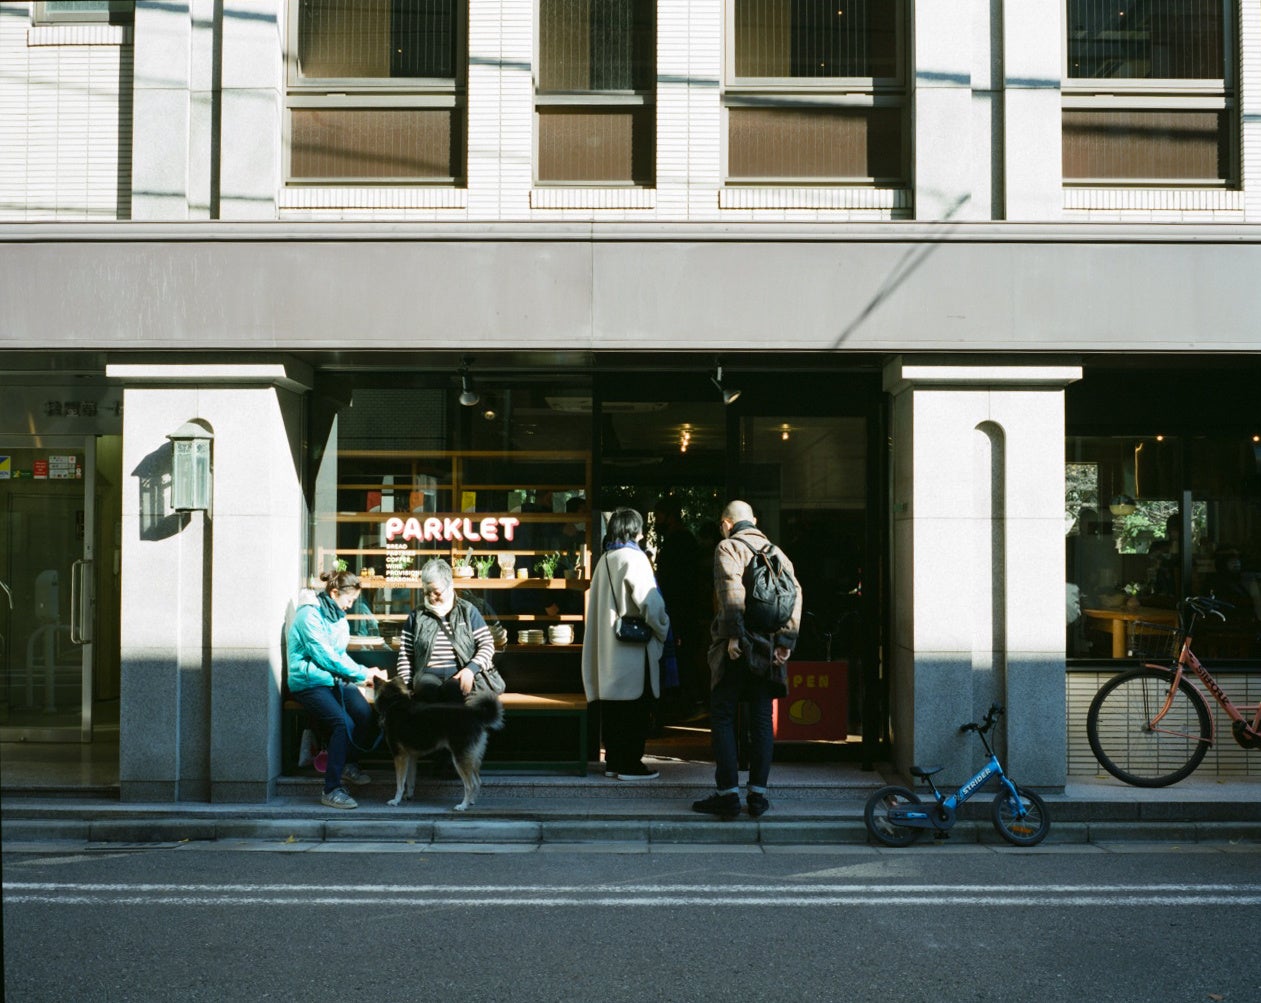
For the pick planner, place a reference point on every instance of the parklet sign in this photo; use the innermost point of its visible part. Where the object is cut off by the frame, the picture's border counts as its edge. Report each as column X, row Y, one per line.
column 452, row 529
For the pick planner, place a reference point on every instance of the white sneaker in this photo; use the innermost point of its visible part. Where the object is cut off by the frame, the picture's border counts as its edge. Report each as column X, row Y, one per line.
column 352, row 774
column 338, row 799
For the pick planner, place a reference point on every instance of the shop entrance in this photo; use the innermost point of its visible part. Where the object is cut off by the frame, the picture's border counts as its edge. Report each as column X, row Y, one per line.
column 58, row 624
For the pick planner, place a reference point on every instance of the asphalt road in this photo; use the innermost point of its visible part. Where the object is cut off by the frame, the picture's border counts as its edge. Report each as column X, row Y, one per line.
column 693, row 923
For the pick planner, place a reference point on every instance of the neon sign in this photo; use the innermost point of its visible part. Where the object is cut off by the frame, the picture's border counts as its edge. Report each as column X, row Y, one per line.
column 452, row 529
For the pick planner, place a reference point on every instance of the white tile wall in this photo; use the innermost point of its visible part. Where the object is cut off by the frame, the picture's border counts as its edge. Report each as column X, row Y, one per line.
column 64, row 134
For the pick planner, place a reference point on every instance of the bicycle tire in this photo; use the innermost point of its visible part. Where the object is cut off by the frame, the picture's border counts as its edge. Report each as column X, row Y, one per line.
column 1117, row 726
column 876, row 816
column 1027, row 830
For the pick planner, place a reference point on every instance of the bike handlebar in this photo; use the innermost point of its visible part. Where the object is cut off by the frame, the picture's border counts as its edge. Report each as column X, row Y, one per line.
column 1204, row 605
column 991, row 716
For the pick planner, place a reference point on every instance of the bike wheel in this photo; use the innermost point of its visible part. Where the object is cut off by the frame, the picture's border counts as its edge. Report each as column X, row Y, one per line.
column 876, row 816
column 1123, row 739
column 1025, row 823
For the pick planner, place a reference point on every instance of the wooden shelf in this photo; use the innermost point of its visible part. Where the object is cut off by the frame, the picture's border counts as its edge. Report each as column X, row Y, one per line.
column 558, row 584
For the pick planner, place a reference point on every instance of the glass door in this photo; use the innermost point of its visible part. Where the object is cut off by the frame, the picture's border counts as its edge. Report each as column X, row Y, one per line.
column 47, row 594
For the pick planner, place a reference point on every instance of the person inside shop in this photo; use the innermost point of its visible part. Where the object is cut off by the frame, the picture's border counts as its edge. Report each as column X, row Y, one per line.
column 1228, row 583
column 686, row 595
column 746, row 666
column 446, row 641
column 325, row 680
column 1165, row 568
column 623, row 675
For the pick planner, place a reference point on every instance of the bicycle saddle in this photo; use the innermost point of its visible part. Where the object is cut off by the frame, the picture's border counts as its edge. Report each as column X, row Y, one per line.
column 925, row 771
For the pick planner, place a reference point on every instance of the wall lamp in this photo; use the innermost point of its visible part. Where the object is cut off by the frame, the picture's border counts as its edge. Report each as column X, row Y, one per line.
column 729, row 396
column 468, row 396
column 190, row 468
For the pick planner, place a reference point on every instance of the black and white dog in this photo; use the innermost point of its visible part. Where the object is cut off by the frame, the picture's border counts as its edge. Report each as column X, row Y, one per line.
column 414, row 728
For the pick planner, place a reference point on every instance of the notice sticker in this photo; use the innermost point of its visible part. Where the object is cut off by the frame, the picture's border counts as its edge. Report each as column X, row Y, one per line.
column 39, row 470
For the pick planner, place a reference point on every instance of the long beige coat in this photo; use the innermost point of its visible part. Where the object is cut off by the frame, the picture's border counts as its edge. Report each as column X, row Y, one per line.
column 623, row 584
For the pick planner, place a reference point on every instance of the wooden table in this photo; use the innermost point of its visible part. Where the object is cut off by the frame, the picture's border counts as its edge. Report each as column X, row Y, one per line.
column 1114, row 621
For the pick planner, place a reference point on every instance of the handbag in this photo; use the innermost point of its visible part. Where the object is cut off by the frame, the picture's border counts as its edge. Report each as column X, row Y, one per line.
column 488, row 680
column 631, row 629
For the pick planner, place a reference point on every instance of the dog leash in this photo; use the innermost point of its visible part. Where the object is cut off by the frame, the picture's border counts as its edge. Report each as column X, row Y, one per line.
column 350, row 726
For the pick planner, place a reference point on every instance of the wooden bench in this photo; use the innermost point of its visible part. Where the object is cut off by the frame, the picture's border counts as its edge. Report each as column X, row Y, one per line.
column 561, row 706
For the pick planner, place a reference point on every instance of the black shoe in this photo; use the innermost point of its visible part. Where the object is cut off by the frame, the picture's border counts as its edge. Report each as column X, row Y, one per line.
column 722, row 805
column 757, row 804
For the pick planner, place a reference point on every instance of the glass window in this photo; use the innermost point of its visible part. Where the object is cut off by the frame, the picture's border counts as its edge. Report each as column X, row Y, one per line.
column 1149, row 93
column 595, row 92
column 815, row 92
column 376, row 92
column 1126, row 507
column 102, row 11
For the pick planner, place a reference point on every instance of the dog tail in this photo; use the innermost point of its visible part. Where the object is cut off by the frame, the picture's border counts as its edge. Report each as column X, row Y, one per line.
column 489, row 710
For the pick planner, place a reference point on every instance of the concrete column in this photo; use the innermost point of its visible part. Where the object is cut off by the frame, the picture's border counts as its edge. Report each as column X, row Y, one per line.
column 1033, row 40
column 163, row 113
column 978, row 564
column 942, row 119
column 249, row 140
column 204, row 597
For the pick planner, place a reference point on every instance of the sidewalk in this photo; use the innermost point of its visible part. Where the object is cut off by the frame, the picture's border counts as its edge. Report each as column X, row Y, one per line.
column 811, row 804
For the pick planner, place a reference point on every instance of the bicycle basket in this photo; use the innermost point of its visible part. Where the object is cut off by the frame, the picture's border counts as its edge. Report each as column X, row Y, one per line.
column 1155, row 641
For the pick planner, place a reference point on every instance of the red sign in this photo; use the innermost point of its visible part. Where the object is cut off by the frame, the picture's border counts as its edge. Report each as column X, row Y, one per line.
column 817, row 705
column 39, row 470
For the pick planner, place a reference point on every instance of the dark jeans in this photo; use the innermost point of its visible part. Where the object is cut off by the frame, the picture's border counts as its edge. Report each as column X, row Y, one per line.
column 325, row 708
column 736, row 688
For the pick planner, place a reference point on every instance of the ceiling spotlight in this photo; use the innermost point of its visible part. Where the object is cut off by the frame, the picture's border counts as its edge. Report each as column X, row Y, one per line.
column 728, row 396
column 489, row 414
column 468, row 396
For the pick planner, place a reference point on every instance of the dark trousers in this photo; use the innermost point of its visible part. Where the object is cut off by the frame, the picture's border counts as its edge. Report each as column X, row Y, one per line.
column 624, row 725
column 325, row 708
column 739, row 688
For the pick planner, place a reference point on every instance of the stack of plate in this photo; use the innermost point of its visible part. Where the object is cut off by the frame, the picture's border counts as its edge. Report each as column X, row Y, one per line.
column 560, row 633
column 529, row 637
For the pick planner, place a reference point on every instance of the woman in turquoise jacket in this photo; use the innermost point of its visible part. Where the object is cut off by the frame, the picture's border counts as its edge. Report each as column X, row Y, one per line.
column 324, row 679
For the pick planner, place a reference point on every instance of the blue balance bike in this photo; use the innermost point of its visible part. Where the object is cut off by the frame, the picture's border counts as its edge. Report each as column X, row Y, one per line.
column 896, row 816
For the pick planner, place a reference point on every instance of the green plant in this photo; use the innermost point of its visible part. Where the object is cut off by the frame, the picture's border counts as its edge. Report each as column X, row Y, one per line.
column 1132, row 589
column 547, row 565
column 340, row 565
column 464, row 561
column 482, row 564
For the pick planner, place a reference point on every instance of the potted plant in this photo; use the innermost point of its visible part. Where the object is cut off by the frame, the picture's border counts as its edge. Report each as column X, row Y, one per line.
column 483, row 566
column 1132, row 590
column 463, row 567
column 547, row 564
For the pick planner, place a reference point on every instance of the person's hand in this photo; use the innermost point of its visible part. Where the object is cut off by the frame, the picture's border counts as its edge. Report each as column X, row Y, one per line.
column 733, row 648
column 781, row 655
column 465, row 677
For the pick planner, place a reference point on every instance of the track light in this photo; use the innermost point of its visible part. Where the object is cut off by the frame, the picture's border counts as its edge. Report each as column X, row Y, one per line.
column 468, row 396
column 729, row 396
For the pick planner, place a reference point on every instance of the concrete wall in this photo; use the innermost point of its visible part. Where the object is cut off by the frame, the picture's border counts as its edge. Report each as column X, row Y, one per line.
column 204, row 598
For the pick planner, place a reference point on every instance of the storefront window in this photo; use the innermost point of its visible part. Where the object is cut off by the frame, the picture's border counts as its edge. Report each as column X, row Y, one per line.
column 1129, row 502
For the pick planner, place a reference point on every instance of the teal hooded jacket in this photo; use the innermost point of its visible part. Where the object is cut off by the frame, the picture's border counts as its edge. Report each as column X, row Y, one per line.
column 317, row 645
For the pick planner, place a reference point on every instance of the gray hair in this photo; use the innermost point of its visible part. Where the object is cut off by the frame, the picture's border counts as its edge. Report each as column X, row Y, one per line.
column 436, row 571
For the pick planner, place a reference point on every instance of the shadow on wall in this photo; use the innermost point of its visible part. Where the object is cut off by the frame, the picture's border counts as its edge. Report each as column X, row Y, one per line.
column 158, row 521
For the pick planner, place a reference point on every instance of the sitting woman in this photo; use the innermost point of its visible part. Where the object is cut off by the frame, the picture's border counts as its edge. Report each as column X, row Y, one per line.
column 325, row 680
column 446, row 643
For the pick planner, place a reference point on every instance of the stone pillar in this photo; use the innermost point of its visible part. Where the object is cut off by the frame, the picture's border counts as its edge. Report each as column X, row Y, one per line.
column 204, row 596
column 942, row 99
column 1033, row 171
column 250, row 136
column 978, row 564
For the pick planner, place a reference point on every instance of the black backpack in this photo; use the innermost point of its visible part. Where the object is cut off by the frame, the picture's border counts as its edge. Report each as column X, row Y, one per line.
column 769, row 592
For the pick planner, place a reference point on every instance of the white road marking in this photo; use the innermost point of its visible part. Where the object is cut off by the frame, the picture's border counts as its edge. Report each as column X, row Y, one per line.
column 791, row 895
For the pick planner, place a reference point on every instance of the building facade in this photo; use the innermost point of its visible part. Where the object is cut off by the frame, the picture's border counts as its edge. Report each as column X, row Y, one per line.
column 984, row 275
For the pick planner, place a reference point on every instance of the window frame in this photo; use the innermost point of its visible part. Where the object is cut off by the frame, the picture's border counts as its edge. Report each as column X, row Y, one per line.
column 1171, row 94
column 118, row 12
column 817, row 92
column 593, row 100
column 364, row 93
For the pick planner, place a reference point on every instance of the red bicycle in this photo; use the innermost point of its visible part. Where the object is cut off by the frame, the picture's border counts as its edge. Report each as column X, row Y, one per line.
column 1152, row 726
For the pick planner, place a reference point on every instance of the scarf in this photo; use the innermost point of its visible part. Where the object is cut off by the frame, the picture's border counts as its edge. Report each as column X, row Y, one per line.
column 328, row 606
column 622, row 546
column 444, row 607
column 742, row 524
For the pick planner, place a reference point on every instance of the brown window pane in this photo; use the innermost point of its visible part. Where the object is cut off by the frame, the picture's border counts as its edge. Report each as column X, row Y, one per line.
column 815, row 38
column 824, row 143
column 1154, row 39
column 1164, row 145
column 596, row 45
column 376, row 143
column 376, row 38
column 597, row 145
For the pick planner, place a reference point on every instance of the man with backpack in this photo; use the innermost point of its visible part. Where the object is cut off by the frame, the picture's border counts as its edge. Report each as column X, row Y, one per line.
column 757, row 610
